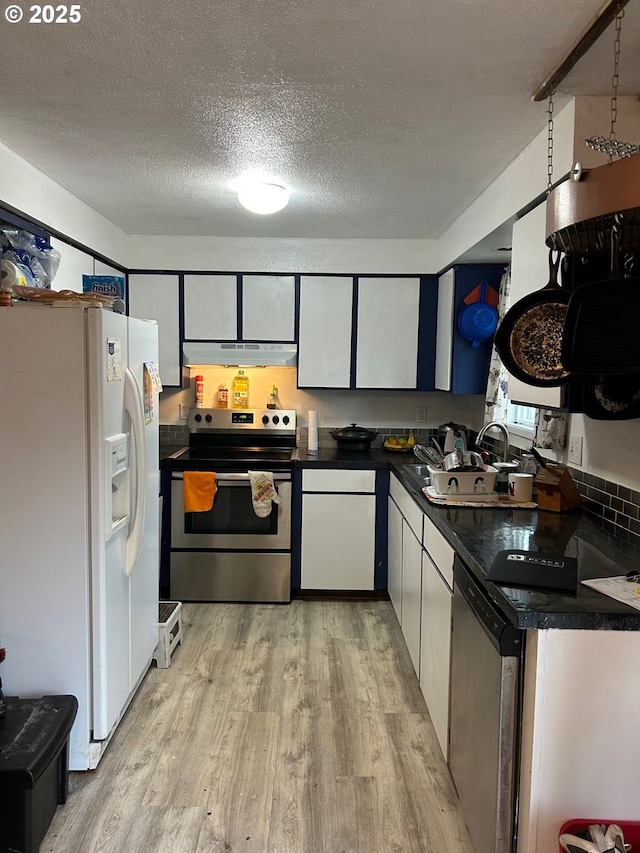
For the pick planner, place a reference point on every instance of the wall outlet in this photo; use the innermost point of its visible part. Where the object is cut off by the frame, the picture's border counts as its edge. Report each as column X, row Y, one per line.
column 184, row 412
column 575, row 449
column 421, row 414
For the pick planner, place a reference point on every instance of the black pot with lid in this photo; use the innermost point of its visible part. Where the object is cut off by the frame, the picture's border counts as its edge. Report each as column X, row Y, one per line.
column 354, row 438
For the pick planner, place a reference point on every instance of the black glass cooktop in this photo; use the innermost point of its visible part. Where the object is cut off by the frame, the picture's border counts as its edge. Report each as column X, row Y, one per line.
column 238, row 454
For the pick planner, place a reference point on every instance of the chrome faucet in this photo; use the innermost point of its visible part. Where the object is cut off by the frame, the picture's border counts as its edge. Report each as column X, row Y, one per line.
column 505, row 432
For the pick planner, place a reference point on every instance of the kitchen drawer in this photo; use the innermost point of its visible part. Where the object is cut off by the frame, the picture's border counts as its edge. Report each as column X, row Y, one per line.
column 407, row 506
column 338, row 480
column 439, row 550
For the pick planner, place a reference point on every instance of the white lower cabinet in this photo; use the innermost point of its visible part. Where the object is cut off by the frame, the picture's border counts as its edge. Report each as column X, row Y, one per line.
column 411, row 593
column 338, row 530
column 394, row 557
column 435, row 648
column 420, row 585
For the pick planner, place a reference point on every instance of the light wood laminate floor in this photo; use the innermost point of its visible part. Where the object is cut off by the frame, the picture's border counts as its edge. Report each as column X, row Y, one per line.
column 277, row 728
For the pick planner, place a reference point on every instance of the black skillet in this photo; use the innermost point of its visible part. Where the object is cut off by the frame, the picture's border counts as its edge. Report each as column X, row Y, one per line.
column 529, row 338
column 610, row 398
column 602, row 329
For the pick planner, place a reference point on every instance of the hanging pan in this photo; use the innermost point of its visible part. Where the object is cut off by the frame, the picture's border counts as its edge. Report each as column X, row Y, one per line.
column 611, row 398
column 602, row 328
column 529, row 338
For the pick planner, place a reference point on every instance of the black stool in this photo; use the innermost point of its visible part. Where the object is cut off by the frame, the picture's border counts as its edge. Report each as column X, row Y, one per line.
column 34, row 768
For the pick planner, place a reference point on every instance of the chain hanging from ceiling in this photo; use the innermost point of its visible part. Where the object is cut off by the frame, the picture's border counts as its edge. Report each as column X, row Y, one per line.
column 552, row 92
column 611, row 146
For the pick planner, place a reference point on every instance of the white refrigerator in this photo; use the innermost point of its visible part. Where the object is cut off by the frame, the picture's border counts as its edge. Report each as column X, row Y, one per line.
column 79, row 526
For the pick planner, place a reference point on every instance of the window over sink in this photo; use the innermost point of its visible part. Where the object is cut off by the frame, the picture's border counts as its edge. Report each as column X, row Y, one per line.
column 521, row 420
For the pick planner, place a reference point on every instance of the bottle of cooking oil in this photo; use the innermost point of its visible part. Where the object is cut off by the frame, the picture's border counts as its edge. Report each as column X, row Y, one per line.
column 240, row 390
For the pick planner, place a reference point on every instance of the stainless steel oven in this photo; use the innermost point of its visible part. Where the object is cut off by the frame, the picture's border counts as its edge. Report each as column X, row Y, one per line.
column 231, row 523
column 229, row 553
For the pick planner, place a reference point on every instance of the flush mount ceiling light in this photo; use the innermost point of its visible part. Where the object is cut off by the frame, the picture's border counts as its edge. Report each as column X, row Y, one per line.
column 263, row 197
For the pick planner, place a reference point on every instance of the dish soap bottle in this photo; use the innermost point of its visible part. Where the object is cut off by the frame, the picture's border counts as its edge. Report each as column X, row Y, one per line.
column 240, row 390
column 272, row 402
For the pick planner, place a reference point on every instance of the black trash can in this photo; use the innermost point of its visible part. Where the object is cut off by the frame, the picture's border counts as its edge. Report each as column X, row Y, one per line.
column 34, row 767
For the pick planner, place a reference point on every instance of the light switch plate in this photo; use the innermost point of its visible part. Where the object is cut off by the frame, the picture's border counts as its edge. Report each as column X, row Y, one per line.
column 421, row 414
column 575, row 449
column 184, row 412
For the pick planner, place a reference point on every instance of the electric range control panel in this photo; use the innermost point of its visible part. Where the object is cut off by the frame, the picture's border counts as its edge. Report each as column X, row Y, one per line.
column 269, row 420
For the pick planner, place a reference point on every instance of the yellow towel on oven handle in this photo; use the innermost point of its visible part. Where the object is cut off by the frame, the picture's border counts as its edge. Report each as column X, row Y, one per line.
column 199, row 490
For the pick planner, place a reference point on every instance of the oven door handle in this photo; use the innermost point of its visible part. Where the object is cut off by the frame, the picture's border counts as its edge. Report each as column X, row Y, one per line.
column 226, row 477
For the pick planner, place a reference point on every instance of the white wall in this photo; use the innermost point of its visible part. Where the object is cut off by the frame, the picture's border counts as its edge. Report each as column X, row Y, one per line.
column 593, row 118
column 522, row 181
column 305, row 255
column 526, row 177
column 610, row 449
column 30, row 191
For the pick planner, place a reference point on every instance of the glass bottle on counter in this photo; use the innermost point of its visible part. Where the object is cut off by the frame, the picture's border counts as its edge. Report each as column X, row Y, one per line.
column 529, row 464
column 272, row 402
column 223, row 397
column 241, row 390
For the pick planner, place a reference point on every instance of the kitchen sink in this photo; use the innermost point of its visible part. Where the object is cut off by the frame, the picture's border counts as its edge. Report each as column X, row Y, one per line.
column 419, row 474
column 417, row 470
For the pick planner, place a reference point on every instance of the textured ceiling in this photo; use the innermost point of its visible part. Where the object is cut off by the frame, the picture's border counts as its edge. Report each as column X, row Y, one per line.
column 387, row 119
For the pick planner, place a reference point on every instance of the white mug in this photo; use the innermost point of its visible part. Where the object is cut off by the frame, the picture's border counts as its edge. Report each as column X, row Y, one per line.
column 520, row 487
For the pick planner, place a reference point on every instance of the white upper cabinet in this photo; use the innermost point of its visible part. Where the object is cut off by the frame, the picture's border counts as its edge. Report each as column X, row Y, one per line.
column 155, row 297
column 73, row 265
column 444, row 339
column 268, row 307
column 267, row 311
column 383, row 335
column 530, row 272
column 211, row 307
column 324, row 333
column 387, row 333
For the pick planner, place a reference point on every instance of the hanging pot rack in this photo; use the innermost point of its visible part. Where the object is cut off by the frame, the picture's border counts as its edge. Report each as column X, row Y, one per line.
column 588, row 38
column 581, row 211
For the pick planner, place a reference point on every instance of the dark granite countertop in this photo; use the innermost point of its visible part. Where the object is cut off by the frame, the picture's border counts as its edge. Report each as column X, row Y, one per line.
column 331, row 457
column 478, row 534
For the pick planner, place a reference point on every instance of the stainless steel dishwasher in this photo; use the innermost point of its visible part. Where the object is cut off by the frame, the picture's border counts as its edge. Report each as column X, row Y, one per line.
column 486, row 654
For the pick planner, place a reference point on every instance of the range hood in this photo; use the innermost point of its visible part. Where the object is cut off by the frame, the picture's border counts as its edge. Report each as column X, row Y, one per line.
column 239, row 354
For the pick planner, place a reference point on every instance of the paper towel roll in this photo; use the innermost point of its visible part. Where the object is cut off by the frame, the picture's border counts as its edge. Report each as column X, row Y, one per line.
column 312, row 432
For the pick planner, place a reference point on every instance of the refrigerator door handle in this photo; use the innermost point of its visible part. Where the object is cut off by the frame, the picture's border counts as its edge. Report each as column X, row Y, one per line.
column 134, row 406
